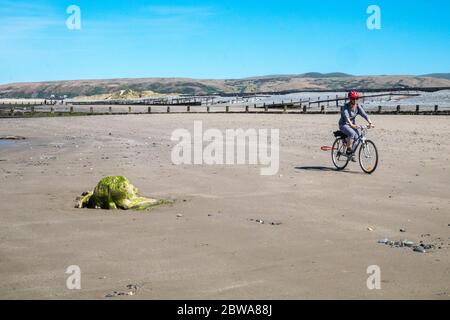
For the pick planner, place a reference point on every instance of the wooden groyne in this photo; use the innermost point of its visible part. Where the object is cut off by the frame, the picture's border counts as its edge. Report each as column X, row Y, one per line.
column 286, row 108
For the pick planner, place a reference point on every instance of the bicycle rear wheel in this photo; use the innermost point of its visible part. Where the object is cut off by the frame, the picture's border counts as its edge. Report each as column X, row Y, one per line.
column 368, row 157
column 340, row 159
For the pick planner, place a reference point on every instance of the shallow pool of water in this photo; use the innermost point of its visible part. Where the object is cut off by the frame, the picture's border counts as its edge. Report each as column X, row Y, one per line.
column 7, row 142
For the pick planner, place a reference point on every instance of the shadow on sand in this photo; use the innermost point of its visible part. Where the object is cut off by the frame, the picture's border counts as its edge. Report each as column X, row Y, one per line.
column 321, row 168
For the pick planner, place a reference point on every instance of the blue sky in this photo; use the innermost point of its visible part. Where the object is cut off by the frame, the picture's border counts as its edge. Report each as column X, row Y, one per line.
column 220, row 39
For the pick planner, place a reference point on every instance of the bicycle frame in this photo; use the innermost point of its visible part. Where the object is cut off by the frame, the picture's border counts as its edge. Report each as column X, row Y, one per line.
column 361, row 138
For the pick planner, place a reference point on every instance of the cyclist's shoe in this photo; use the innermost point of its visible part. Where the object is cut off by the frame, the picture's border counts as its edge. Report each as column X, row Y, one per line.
column 350, row 155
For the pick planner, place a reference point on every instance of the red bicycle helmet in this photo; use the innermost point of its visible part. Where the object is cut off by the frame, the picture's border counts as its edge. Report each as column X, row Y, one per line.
column 353, row 95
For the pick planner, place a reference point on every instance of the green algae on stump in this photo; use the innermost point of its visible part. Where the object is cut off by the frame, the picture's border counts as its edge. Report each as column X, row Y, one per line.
column 116, row 193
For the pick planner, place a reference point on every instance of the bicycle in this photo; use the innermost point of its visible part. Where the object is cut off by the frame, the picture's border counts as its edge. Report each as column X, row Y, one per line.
column 368, row 153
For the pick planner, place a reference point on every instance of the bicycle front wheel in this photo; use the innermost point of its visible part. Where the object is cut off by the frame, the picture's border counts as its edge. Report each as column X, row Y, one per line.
column 340, row 159
column 368, row 157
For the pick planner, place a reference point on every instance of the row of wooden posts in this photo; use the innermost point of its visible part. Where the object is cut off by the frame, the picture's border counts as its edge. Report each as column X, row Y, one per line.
column 303, row 108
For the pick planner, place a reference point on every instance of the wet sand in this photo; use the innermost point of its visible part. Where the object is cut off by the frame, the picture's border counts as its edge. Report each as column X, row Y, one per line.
column 321, row 249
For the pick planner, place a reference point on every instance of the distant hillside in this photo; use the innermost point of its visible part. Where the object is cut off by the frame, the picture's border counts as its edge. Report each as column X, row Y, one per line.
column 122, row 94
column 325, row 75
column 304, row 75
column 438, row 75
column 274, row 83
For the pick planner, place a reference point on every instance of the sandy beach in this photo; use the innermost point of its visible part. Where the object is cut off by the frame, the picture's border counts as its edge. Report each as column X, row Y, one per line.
column 207, row 244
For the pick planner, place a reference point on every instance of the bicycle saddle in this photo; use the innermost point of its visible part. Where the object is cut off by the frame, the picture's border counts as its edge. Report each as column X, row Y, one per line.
column 340, row 134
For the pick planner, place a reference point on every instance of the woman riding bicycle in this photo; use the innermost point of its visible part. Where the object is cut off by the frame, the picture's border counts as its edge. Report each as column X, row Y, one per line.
column 347, row 123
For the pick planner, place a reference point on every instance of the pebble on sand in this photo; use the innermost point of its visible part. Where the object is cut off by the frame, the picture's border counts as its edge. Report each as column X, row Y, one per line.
column 419, row 249
column 408, row 243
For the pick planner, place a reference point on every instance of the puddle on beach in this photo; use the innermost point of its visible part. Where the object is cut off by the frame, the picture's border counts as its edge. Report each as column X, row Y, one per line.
column 6, row 142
